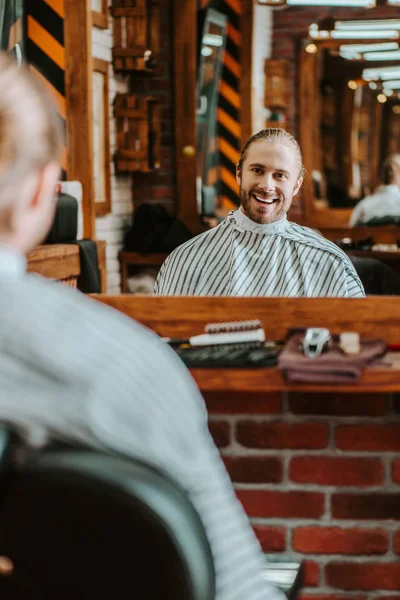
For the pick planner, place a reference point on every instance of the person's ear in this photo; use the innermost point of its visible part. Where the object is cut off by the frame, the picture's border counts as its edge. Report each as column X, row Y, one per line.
column 238, row 174
column 45, row 188
column 298, row 185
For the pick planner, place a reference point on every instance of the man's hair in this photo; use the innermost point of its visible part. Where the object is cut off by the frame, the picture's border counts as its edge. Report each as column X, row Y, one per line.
column 30, row 128
column 274, row 135
column 390, row 168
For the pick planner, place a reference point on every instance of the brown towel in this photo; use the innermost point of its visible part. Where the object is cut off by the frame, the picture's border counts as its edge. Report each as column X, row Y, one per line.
column 332, row 366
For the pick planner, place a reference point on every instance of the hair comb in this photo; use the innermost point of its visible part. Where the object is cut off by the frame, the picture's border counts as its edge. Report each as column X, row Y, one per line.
column 233, row 332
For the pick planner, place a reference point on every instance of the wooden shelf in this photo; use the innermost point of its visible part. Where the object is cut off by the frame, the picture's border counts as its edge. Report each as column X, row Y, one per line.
column 181, row 317
column 135, row 34
column 375, row 379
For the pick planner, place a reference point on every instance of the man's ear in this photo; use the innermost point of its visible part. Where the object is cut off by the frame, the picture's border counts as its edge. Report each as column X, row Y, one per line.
column 46, row 182
column 298, row 186
column 238, row 174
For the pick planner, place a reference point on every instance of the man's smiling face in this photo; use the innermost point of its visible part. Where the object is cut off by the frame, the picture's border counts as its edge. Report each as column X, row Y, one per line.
column 269, row 179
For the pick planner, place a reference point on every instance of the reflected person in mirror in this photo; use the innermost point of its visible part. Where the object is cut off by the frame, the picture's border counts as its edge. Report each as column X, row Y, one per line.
column 384, row 203
column 256, row 251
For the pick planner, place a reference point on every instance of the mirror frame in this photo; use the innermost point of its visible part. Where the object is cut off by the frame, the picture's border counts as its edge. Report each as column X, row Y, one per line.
column 185, row 48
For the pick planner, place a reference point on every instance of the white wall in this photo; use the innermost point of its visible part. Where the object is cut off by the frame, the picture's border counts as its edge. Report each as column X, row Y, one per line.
column 111, row 227
column 262, row 38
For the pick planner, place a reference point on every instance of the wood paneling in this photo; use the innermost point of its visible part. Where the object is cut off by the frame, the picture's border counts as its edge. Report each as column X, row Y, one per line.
column 185, row 40
column 78, row 81
column 103, row 205
column 246, row 82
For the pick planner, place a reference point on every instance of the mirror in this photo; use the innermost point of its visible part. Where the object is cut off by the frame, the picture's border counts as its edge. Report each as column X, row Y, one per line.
column 211, row 46
column 353, row 121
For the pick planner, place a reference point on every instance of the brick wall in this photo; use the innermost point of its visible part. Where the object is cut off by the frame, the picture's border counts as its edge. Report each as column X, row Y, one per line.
column 320, row 478
column 128, row 191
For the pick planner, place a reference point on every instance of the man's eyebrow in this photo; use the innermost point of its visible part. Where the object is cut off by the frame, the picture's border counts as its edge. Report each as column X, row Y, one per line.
column 261, row 166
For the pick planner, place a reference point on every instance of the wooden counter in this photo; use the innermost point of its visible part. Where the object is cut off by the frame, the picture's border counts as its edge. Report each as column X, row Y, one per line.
column 182, row 317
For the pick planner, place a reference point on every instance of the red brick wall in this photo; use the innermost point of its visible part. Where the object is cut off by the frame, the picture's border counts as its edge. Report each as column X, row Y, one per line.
column 160, row 185
column 320, row 478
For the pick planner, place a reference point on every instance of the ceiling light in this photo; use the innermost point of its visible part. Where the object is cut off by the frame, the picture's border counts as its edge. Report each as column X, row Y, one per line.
column 380, row 24
column 372, row 85
column 352, row 84
column 368, row 47
column 394, row 84
column 388, row 92
column 357, row 34
column 377, row 56
column 381, row 98
column 342, row 3
column 206, row 51
column 394, row 2
column 351, row 55
column 388, row 76
column 381, row 72
column 211, row 39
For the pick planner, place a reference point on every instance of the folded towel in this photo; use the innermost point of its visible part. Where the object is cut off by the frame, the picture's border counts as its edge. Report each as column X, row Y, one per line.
column 332, row 366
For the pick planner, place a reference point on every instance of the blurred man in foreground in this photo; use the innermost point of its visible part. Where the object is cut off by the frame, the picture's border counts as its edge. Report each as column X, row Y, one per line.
column 74, row 369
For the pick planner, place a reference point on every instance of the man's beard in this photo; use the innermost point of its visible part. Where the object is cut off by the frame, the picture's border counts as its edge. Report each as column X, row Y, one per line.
column 254, row 215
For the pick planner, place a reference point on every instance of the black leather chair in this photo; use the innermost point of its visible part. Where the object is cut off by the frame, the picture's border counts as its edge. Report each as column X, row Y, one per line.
column 85, row 525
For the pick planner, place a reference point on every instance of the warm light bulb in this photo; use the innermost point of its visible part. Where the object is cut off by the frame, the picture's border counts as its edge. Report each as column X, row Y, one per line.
column 381, row 98
column 311, row 48
column 352, row 84
column 396, row 109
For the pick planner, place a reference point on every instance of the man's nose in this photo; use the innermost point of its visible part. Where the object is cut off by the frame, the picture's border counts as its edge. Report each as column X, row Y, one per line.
column 267, row 182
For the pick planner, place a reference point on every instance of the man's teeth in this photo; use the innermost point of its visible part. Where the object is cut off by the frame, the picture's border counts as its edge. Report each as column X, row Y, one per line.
column 265, row 200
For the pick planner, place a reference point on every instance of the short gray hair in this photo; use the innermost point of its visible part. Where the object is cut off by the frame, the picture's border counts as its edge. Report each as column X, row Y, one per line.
column 274, row 135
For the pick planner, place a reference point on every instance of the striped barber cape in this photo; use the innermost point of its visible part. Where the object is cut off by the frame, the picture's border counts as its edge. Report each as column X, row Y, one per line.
column 243, row 258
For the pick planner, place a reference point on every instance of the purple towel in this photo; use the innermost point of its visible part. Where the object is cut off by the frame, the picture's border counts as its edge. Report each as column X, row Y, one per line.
column 332, row 366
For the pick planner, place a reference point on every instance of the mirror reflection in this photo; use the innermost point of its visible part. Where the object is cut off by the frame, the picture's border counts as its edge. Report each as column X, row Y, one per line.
column 359, row 117
column 350, row 130
column 211, row 41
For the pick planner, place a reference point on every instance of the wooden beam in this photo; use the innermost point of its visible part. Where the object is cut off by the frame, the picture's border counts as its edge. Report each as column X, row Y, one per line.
column 185, row 40
column 247, row 66
column 78, row 83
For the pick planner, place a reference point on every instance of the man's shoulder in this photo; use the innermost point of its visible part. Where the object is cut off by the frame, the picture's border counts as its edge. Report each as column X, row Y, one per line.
column 202, row 240
column 310, row 237
column 61, row 322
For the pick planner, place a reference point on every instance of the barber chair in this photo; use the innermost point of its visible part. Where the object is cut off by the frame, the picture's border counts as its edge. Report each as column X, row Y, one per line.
column 377, row 278
column 81, row 524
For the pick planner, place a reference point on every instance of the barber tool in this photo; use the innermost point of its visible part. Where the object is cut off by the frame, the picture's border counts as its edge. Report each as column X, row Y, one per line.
column 349, row 342
column 315, row 341
column 237, row 344
column 234, row 332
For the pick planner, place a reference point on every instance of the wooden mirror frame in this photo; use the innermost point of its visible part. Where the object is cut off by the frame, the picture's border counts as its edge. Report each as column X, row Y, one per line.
column 185, row 48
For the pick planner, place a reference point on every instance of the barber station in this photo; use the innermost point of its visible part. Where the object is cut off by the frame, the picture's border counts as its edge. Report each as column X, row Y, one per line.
column 229, row 181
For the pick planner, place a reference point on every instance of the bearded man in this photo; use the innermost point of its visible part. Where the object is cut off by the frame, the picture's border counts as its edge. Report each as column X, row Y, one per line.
column 256, row 251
